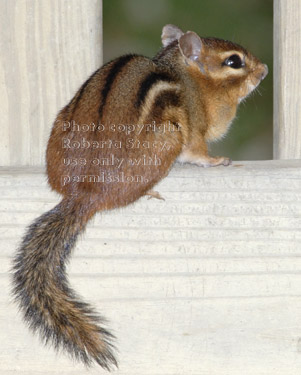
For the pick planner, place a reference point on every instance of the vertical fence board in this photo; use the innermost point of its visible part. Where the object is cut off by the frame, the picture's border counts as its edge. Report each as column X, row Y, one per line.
column 287, row 79
column 47, row 48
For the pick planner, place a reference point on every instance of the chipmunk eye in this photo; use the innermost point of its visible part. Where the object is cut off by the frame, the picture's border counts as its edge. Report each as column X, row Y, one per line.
column 234, row 61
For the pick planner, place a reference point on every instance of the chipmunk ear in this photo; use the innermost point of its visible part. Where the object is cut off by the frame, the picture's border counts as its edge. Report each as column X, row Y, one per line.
column 170, row 33
column 190, row 45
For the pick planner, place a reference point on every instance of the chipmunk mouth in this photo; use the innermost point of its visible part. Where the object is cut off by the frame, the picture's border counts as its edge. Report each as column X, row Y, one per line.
column 262, row 74
column 265, row 72
column 251, row 85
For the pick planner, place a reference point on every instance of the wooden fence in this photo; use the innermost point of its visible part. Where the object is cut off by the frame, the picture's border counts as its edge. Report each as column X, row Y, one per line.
column 207, row 282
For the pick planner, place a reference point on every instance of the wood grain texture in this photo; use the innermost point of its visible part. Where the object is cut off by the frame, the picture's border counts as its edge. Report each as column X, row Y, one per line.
column 287, row 79
column 207, row 282
column 48, row 48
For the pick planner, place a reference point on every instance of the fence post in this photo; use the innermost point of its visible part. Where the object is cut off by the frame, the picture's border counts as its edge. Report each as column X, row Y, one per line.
column 47, row 49
column 287, row 79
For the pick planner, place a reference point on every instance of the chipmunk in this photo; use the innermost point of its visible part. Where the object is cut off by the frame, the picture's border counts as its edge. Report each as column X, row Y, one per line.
column 133, row 108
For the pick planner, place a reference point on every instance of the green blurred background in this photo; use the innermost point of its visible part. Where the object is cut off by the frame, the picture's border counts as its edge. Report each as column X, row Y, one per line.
column 134, row 26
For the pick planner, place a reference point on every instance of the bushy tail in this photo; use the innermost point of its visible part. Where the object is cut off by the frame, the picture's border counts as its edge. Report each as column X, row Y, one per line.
column 41, row 288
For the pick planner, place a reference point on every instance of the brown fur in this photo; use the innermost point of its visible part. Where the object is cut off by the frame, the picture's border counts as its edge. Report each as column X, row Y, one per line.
column 188, row 88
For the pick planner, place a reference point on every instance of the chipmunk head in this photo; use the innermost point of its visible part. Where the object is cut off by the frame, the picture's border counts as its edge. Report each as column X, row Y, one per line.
column 222, row 64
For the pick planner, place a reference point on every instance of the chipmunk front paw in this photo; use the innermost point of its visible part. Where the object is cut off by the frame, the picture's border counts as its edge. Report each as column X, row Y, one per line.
column 213, row 162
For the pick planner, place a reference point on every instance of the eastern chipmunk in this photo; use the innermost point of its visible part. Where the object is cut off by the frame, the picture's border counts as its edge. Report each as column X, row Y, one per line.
column 119, row 136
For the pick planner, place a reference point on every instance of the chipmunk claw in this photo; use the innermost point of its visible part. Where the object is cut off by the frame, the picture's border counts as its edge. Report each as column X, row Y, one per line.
column 154, row 194
column 226, row 161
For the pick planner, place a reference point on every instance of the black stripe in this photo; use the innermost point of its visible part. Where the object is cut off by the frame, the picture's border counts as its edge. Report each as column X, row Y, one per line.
column 114, row 70
column 81, row 91
column 167, row 98
column 148, row 82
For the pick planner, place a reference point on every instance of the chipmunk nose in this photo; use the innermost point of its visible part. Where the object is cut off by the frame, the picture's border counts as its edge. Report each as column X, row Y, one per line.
column 265, row 71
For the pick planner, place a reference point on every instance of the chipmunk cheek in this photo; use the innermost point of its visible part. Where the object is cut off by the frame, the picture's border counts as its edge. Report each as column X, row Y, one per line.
column 245, row 90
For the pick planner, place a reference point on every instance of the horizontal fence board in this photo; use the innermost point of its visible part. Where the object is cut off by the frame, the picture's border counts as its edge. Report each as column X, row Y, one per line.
column 243, row 336
column 207, row 282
